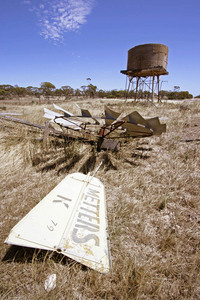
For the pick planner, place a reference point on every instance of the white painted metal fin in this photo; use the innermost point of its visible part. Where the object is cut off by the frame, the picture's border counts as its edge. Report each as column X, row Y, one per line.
column 49, row 114
column 67, row 113
column 58, row 118
column 72, row 220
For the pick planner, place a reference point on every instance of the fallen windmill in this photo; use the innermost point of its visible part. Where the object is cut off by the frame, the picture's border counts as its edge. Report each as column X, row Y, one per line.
column 105, row 130
column 71, row 219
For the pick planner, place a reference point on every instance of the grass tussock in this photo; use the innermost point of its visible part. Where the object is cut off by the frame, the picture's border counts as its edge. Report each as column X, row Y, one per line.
column 152, row 191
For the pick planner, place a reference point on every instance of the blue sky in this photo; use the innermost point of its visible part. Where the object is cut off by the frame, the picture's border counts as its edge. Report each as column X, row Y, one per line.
column 67, row 41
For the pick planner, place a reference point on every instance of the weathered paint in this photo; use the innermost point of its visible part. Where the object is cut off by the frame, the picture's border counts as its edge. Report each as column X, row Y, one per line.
column 71, row 220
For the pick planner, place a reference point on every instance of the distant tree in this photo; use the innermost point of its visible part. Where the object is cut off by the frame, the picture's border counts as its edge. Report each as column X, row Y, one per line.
column 67, row 91
column 84, row 90
column 92, row 90
column 2, row 94
column 20, row 91
column 29, row 90
column 58, row 93
column 9, row 90
column 146, row 95
column 37, row 92
column 163, row 94
column 131, row 94
column 47, row 89
column 172, row 95
column 184, row 95
column 101, row 93
column 140, row 94
column 179, row 95
column 33, row 91
column 77, row 92
column 176, row 88
column 112, row 94
column 89, row 79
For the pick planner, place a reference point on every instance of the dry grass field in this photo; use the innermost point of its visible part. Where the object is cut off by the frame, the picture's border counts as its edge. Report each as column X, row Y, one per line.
column 153, row 205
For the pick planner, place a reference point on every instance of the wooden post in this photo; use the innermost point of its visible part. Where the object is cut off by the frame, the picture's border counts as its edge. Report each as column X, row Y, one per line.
column 130, row 79
column 136, row 91
column 158, row 82
column 153, row 87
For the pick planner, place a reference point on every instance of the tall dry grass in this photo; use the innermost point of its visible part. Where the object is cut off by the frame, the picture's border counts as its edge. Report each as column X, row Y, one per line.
column 152, row 191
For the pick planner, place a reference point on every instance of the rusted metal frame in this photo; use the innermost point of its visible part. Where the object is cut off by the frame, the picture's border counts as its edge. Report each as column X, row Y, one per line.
column 126, row 135
column 114, row 126
column 89, row 135
column 8, row 118
column 129, row 84
column 84, row 117
column 126, row 88
column 137, row 82
column 41, row 127
column 153, row 78
column 146, row 82
column 92, row 117
column 158, row 83
column 151, row 84
column 142, row 82
column 86, row 136
column 133, row 85
column 52, row 131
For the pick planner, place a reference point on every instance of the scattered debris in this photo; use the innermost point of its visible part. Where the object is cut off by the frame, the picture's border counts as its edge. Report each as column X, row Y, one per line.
column 50, row 283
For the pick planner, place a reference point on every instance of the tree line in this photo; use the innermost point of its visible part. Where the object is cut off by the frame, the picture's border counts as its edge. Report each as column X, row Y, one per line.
column 48, row 90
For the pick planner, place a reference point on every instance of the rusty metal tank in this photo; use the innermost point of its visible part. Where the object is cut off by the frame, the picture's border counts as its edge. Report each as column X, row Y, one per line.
column 148, row 57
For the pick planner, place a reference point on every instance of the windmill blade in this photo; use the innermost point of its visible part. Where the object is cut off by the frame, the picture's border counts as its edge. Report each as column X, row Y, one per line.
column 68, row 123
column 71, row 220
column 49, row 114
column 154, row 124
column 135, row 125
column 136, row 130
column 66, row 113
column 58, row 119
column 86, row 114
column 135, row 118
column 151, row 124
column 110, row 116
column 135, row 134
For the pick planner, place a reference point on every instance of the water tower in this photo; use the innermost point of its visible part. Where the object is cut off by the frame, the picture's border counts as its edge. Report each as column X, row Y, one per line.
column 146, row 63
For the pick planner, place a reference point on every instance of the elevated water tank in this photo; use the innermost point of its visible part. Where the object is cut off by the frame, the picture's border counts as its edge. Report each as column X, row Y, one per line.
column 147, row 60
